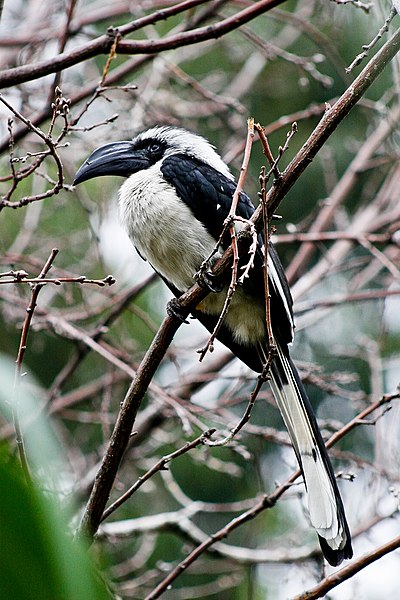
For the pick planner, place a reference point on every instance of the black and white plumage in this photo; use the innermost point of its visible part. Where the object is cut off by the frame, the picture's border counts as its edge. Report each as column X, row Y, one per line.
column 177, row 194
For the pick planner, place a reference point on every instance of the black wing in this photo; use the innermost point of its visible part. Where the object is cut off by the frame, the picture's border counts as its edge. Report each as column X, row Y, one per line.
column 205, row 191
column 208, row 193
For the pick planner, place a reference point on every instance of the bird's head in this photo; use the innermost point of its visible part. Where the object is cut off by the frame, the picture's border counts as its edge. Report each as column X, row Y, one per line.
column 146, row 149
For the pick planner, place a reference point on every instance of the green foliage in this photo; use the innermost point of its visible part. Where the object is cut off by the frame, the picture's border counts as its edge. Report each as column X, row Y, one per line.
column 39, row 559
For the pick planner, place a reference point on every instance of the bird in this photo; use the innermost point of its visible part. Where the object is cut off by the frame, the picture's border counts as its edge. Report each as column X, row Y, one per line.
column 173, row 204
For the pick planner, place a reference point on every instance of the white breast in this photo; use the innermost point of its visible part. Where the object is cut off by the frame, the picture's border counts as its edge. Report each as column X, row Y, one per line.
column 162, row 228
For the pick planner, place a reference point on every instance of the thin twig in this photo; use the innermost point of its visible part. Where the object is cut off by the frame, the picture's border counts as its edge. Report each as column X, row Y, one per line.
column 22, row 277
column 367, row 47
column 246, row 415
column 365, row 6
column 333, row 236
column 62, row 42
column 341, row 300
column 267, row 152
column 230, row 223
column 20, row 357
column 332, row 581
column 267, row 295
column 60, row 108
column 159, row 466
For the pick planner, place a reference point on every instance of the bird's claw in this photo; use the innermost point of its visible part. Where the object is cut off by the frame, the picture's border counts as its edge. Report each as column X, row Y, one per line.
column 174, row 309
column 207, row 279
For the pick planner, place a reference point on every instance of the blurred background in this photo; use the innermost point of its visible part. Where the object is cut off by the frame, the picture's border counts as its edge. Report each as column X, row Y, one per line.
column 86, row 339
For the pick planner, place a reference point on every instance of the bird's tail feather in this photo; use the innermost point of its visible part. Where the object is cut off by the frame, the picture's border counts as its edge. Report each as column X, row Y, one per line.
column 325, row 504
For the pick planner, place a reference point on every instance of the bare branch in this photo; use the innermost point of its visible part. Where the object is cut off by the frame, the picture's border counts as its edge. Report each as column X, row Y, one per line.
column 367, row 47
column 159, row 466
column 20, row 357
column 332, row 581
column 104, row 43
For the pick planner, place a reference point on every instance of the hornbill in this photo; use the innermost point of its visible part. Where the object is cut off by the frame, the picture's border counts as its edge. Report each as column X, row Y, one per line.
column 173, row 204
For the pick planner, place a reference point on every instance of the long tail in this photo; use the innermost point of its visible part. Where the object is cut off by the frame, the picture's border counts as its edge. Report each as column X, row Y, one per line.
column 325, row 505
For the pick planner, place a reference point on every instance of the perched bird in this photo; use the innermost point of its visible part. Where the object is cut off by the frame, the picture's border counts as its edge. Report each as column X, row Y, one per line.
column 173, row 203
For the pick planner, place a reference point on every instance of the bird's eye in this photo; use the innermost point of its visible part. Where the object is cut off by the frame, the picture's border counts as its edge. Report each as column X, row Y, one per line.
column 155, row 149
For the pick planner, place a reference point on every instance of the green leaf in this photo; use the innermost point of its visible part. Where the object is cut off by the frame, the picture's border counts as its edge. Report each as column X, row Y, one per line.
column 39, row 559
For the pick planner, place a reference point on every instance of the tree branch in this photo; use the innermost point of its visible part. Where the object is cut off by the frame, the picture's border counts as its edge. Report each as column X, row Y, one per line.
column 330, row 121
column 348, row 571
column 103, row 44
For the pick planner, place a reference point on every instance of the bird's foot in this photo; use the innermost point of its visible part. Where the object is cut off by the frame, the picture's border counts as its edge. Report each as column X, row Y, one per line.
column 174, row 309
column 207, row 279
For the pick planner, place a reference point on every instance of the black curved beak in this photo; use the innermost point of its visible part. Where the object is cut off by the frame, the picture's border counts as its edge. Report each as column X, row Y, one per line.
column 117, row 158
